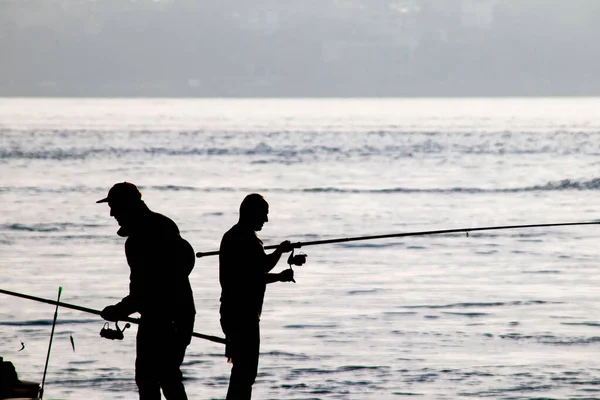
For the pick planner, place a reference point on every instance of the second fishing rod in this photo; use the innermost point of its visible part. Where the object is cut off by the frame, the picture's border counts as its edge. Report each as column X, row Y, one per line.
column 105, row 332
column 298, row 245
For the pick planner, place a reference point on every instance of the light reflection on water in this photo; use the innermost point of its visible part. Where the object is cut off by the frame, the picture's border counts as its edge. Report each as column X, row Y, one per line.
column 501, row 314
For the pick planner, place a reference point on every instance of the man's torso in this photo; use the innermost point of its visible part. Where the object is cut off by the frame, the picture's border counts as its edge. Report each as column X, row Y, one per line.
column 241, row 273
column 160, row 261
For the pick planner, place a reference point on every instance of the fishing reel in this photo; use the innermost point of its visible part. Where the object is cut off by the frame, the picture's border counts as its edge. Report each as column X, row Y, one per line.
column 298, row 259
column 113, row 334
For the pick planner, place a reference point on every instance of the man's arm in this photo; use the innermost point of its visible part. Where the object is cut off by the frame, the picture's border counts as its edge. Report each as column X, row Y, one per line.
column 273, row 258
column 130, row 303
column 122, row 309
column 286, row 275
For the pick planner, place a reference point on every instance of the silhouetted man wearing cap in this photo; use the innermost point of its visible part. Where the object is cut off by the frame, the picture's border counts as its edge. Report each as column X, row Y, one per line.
column 244, row 273
column 160, row 261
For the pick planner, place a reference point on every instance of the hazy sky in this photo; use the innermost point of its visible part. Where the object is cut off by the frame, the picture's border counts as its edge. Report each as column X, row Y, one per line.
column 291, row 48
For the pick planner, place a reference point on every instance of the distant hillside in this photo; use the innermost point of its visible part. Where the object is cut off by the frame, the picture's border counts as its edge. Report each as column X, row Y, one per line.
column 299, row 48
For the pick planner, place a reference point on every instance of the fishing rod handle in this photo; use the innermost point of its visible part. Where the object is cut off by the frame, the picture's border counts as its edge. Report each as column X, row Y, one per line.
column 201, row 254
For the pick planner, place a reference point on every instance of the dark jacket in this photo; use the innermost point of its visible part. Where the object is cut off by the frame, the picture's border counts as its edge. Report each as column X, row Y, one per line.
column 242, row 272
column 160, row 261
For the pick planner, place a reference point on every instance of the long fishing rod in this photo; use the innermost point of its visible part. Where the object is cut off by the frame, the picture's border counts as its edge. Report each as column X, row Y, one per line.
column 297, row 245
column 215, row 339
column 50, row 344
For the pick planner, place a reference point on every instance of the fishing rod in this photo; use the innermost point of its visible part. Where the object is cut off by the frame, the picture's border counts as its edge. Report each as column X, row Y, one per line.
column 215, row 339
column 50, row 344
column 297, row 245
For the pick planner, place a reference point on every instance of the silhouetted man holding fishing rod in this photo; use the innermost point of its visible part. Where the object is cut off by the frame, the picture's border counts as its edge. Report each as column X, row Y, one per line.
column 160, row 261
column 244, row 271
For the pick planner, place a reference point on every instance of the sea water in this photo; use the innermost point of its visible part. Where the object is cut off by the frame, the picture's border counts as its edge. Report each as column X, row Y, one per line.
column 506, row 314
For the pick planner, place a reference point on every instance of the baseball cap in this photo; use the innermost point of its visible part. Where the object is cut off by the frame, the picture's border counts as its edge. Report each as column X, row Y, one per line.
column 123, row 192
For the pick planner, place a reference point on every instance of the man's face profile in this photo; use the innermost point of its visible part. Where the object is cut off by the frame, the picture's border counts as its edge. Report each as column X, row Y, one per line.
column 119, row 211
column 254, row 211
column 260, row 216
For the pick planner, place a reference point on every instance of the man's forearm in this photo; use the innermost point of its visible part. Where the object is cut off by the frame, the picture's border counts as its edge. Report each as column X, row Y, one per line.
column 127, row 306
column 272, row 260
column 271, row 278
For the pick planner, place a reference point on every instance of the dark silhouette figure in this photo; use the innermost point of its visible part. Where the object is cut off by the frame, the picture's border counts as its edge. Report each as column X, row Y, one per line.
column 160, row 261
column 243, row 273
column 11, row 387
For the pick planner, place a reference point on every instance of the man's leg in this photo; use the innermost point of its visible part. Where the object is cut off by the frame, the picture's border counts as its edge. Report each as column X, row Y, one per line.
column 243, row 348
column 146, row 376
column 243, row 375
column 175, row 343
column 171, row 378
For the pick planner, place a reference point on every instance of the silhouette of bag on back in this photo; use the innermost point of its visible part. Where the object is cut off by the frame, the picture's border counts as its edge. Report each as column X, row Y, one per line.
column 12, row 387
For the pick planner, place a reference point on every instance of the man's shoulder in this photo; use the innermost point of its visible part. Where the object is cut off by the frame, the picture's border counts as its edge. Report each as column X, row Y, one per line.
column 162, row 223
column 239, row 234
column 162, row 218
column 238, row 231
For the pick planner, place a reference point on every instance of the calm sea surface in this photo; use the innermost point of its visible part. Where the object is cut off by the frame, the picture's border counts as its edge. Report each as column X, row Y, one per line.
column 511, row 314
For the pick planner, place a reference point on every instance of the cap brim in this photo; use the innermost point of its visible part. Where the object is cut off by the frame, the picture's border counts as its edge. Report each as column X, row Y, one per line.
column 104, row 200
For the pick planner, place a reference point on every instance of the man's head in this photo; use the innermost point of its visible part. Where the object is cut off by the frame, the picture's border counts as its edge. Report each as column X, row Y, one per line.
column 254, row 211
column 124, row 199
